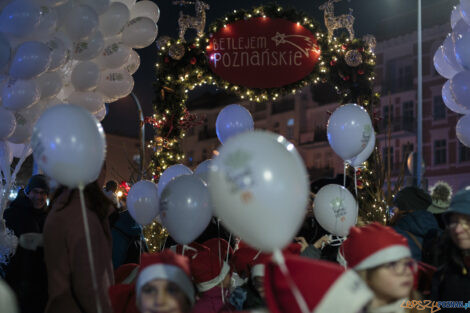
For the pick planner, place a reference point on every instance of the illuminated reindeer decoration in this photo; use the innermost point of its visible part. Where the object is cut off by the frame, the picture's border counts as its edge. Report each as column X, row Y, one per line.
column 333, row 22
column 197, row 22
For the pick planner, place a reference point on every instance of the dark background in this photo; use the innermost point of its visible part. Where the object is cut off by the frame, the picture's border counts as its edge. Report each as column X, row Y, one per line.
column 382, row 18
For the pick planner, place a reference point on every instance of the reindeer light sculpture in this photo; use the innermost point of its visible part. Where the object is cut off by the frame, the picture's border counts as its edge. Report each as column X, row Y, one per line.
column 333, row 22
column 197, row 22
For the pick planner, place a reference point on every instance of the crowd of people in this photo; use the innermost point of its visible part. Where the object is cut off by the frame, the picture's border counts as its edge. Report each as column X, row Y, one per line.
column 424, row 254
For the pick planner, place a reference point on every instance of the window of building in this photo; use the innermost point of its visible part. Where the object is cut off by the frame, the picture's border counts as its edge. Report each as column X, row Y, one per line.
column 408, row 115
column 190, row 158
column 387, row 116
column 283, row 105
column 440, row 152
column 398, row 75
column 438, row 108
column 290, row 128
column 464, row 153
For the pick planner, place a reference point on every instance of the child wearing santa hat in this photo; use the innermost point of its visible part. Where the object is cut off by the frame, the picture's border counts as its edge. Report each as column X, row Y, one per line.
column 163, row 285
column 212, row 274
column 382, row 258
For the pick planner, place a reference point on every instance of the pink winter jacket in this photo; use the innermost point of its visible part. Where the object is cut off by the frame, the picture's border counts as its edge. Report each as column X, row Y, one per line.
column 211, row 302
column 68, row 269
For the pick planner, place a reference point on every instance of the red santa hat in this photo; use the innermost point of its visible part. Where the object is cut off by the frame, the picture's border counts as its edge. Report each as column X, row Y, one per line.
column 209, row 267
column 126, row 273
column 373, row 245
column 324, row 286
column 168, row 266
column 188, row 250
column 259, row 262
column 242, row 259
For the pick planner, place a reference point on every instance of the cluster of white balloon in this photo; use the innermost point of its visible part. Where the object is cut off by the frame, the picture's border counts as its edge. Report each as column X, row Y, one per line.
column 74, row 52
column 67, row 51
column 257, row 182
column 352, row 137
column 452, row 61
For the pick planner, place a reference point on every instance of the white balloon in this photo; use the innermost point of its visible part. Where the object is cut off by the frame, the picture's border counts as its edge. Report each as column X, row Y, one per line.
column 18, row 149
column 449, row 100
column 143, row 202
column 7, row 123
column 460, row 28
column 114, row 55
column 465, row 10
column 449, row 54
column 69, row 145
column 463, row 130
column 100, row 6
column 24, row 128
column 259, row 188
column 19, row 17
column 459, row 88
column 50, row 83
column 114, row 19
column 462, row 50
column 349, row 129
column 5, row 51
column 115, row 83
column 441, row 65
column 85, row 76
column 146, row 8
column 88, row 48
column 139, row 32
column 455, row 16
column 80, row 22
column 19, row 94
column 171, row 173
column 47, row 22
column 63, row 10
column 32, row 58
column 335, row 209
column 203, row 170
column 185, row 208
column 129, row 3
column 59, row 53
column 101, row 114
column 133, row 63
column 359, row 159
column 92, row 101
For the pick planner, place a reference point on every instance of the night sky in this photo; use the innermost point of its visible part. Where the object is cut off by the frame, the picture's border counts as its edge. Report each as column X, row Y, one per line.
column 383, row 18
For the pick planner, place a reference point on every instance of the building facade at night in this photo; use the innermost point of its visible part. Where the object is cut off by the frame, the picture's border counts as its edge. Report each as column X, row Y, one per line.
column 302, row 117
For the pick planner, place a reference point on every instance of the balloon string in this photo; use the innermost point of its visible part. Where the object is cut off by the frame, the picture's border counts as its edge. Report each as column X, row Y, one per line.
column 218, row 236
column 228, row 247
column 279, row 259
column 184, row 249
column 89, row 248
column 164, row 243
column 355, row 180
column 344, row 174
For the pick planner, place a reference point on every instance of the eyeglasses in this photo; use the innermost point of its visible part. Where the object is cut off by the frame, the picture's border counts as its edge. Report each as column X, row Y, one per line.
column 454, row 222
column 399, row 267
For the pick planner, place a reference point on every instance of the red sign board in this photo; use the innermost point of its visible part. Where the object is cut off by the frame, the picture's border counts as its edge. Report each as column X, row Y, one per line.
column 263, row 52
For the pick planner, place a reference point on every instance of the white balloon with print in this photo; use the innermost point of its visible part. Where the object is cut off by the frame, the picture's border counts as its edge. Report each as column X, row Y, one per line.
column 80, row 22
column 114, row 55
column 449, row 54
column 133, row 62
column 74, row 155
column 88, row 48
column 143, row 202
column 349, row 129
column 232, row 120
column 115, row 84
column 462, row 47
column 441, row 65
column 335, row 209
column 359, row 159
column 129, row 3
column 101, row 114
column 449, row 100
column 7, row 123
column 100, row 6
column 59, row 53
column 19, row 17
column 459, row 88
column 50, row 84
column 139, row 32
column 259, row 189
column 203, row 169
column 92, row 101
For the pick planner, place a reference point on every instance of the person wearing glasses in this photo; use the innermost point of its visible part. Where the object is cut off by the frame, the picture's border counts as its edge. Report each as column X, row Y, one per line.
column 382, row 258
column 452, row 280
column 26, row 272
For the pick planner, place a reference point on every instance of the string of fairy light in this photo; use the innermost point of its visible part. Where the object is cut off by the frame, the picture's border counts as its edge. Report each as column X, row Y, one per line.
column 184, row 66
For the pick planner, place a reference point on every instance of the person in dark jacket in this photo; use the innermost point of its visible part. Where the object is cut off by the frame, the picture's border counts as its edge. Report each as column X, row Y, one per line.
column 452, row 280
column 26, row 272
column 413, row 220
column 128, row 240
